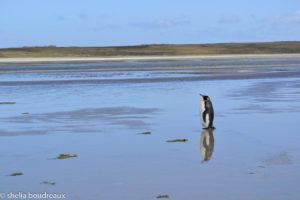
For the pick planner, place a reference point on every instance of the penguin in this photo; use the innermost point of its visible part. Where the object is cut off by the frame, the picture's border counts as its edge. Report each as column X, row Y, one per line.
column 207, row 144
column 207, row 112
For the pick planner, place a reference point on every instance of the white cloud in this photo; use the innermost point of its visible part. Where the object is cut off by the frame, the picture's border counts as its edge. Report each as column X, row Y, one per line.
column 158, row 23
column 293, row 18
column 164, row 23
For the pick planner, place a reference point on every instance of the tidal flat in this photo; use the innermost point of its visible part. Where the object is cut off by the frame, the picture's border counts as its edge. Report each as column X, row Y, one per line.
column 98, row 110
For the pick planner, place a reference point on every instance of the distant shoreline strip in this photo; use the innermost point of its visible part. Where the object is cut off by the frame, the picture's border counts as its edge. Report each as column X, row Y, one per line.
column 153, row 58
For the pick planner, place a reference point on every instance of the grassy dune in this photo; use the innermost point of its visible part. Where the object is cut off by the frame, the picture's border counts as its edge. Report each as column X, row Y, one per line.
column 153, row 50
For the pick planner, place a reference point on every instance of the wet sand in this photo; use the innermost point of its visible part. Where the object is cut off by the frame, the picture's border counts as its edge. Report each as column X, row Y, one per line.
column 99, row 115
column 137, row 70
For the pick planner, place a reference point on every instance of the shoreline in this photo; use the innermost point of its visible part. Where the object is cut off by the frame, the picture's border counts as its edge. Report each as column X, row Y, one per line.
column 214, row 77
column 210, row 68
column 141, row 58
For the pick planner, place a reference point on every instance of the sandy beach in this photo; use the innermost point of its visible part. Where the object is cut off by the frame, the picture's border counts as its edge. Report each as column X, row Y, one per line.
column 151, row 58
column 117, row 114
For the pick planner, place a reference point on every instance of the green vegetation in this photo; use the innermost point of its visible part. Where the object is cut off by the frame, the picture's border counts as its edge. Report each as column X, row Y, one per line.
column 163, row 196
column 17, row 174
column 146, row 133
column 7, row 102
column 65, row 156
column 153, row 50
column 178, row 140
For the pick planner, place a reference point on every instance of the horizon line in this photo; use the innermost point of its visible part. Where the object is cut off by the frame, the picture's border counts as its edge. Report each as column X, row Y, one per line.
column 149, row 44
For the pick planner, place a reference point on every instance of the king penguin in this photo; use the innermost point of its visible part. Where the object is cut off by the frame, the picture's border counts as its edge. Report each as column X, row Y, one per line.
column 207, row 112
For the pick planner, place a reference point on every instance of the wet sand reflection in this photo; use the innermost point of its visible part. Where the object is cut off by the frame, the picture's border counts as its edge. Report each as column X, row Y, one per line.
column 207, row 144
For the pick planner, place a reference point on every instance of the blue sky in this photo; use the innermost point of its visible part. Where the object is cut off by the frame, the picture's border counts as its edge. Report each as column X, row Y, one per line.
column 134, row 22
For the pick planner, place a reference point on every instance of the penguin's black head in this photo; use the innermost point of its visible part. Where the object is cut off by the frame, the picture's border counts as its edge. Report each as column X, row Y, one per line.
column 205, row 98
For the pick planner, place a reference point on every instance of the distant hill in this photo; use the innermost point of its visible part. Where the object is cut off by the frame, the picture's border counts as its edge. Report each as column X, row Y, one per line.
column 151, row 50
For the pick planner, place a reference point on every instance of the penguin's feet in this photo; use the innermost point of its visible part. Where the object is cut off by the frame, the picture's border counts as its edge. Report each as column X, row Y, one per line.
column 211, row 127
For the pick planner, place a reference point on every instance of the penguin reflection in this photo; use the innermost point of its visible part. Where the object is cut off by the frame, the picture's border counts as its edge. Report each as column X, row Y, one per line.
column 207, row 144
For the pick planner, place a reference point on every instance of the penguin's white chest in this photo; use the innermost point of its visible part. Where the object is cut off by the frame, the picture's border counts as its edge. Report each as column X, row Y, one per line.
column 202, row 106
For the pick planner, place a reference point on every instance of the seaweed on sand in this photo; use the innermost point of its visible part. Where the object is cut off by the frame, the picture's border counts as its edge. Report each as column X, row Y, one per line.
column 16, row 174
column 178, row 140
column 146, row 133
column 7, row 102
column 66, row 155
column 48, row 183
column 163, row 196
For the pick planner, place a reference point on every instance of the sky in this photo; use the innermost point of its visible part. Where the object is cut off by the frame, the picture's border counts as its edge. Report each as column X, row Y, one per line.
column 136, row 22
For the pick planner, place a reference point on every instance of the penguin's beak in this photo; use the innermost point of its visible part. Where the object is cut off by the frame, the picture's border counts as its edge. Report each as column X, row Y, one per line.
column 201, row 95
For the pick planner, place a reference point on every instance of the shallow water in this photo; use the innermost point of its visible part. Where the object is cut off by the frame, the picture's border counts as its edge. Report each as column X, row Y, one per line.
column 253, row 153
